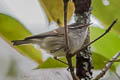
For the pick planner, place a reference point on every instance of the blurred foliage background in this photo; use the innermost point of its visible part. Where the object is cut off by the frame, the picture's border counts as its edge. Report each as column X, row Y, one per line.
column 13, row 28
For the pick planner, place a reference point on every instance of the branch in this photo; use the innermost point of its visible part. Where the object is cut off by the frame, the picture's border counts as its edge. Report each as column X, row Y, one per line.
column 108, row 29
column 107, row 67
column 68, row 57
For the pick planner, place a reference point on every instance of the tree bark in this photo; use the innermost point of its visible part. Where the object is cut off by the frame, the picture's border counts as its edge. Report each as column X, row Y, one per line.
column 83, row 58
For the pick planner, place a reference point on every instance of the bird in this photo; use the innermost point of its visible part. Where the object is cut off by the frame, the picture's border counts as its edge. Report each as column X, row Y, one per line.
column 53, row 42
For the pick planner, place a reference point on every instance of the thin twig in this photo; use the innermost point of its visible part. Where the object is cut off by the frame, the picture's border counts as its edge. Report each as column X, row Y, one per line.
column 69, row 58
column 107, row 67
column 108, row 29
column 65, row 24
column 60, row 61
column 118, row 60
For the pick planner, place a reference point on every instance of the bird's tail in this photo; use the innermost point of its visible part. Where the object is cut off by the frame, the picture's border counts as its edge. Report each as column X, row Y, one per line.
column 21, row 42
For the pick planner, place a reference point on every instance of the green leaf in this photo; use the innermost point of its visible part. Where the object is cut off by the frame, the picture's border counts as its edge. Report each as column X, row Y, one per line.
column 99, row 61
column 106, row 14
column 52, row 63
column 108, row 45
column 12, row 29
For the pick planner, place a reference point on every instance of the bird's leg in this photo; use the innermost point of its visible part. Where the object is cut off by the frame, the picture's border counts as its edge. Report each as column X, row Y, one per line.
column 60, row 60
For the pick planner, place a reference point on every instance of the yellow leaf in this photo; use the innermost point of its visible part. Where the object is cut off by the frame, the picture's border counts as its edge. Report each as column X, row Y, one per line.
column 54, row 10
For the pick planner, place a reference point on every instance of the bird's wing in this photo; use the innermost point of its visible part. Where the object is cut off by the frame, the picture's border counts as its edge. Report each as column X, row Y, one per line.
column 56, row 32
